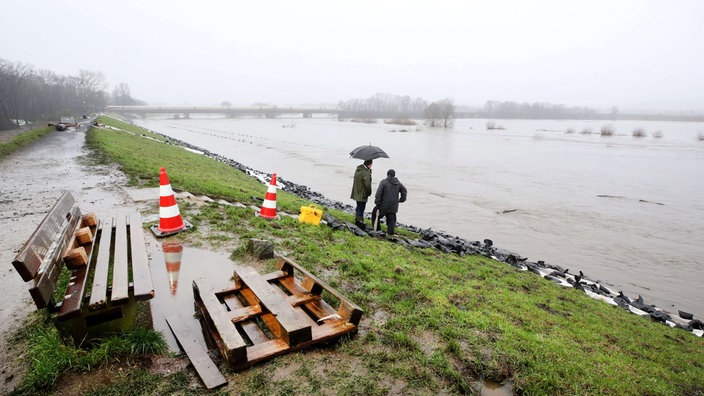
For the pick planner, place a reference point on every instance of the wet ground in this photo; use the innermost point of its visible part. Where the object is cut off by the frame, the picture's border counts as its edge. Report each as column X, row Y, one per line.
column 32, row 179
column 174, row 267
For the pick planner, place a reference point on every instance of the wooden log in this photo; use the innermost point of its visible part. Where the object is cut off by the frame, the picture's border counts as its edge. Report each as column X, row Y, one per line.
column 89, row 220
column 76, row 257
column 84, row 236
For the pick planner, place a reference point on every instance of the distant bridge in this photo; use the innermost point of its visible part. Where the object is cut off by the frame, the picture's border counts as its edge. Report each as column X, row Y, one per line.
column 228, row 111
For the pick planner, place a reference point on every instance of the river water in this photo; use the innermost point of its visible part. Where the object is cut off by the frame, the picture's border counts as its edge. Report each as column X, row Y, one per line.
column 628, row 211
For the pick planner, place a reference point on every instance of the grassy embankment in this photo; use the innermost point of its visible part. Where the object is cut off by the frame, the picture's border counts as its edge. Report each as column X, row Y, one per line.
column 434, row 323
column 23, row 139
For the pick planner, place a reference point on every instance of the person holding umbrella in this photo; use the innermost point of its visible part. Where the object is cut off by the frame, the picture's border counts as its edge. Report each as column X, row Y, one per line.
column 388, row 195
column 362, row 183
column 361, row 190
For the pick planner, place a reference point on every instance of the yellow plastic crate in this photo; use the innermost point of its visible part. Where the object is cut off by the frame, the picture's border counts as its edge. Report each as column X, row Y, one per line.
column 310, row 214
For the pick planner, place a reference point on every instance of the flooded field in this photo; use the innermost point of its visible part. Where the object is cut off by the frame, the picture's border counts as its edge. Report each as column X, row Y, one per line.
column 626, row 210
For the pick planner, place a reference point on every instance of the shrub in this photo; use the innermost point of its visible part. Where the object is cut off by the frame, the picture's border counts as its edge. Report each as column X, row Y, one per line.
column 491, row 125
column 607, row 130
column 569, row 130
column 700, row 136
column 657, row 134
column 400, row 121
column 586, row 131
column 639, row 132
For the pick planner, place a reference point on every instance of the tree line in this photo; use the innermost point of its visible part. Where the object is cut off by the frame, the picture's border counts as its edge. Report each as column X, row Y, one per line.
column 32, row 95
column 383, row 105
column 507, row 109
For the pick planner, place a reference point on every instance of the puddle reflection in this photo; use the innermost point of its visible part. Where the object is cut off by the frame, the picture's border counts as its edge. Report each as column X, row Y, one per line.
column 173, row 251
column 174, row 267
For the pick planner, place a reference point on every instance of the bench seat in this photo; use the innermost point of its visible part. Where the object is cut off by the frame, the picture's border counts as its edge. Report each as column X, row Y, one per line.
column 107, row 265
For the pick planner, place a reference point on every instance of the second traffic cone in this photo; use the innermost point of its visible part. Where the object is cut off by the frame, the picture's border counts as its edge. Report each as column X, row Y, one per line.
column 170, row 220
column 268, row 210
column 172, row 257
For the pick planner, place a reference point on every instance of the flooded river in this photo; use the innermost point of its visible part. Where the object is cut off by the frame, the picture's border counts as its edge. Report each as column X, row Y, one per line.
column 626, row 210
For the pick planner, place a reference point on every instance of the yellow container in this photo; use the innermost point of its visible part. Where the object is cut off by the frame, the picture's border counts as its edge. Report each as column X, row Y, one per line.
column 310, row 214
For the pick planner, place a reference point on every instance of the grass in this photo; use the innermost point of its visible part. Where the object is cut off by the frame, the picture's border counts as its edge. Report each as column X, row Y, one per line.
column 433, row 323
column 52, row 357
column 23, row 139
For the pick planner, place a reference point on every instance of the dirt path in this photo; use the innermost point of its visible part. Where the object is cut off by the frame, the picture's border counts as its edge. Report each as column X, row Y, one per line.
column 31, row 180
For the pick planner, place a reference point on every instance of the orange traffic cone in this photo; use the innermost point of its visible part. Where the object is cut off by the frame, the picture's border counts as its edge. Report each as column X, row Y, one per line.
column 268, row 210
column 170, row 221
column 172, row 256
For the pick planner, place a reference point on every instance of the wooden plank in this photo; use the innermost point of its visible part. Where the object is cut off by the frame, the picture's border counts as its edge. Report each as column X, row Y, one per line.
column 206, row 369
column 142, row 278
column 265, row 350
column 295, row 330
column 29, row 259
column 232, row 345
column 348, row 310
column 50, row 268
column 98, row 294
column 245, row 313
column 300, row 299
column 73, row 297
column 71, row 306
column 250, row 327
column 120, row 276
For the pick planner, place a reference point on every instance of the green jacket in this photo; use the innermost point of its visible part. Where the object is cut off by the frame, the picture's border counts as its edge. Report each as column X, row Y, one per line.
column 362, row 185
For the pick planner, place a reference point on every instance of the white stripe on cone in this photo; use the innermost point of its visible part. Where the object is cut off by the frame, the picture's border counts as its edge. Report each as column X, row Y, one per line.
column 165, row 190
column 167, row 212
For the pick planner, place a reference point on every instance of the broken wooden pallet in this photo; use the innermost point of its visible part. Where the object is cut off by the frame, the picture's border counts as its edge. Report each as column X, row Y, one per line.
column 262, row 316
column 206, row 369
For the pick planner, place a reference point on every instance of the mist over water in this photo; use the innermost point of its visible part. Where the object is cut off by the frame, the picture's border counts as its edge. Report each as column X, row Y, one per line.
column 625, row 210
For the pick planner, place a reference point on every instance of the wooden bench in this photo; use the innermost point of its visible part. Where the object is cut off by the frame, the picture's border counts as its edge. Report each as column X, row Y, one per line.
column 105, row 263
column 262, row 316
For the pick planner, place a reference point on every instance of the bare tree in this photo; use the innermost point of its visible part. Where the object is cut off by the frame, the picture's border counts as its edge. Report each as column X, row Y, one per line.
column 13, row 76
column 440, row 113
column 121, row 95
column 30, row 95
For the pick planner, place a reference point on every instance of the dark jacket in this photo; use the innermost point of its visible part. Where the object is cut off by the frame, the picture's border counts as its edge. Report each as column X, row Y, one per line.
column 362, row 184
column 387, row 195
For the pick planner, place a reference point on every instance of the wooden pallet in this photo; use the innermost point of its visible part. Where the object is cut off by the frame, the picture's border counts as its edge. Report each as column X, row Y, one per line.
column 262, row 316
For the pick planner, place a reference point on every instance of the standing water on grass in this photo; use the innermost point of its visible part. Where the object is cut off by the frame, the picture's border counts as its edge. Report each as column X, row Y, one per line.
column 626, row 210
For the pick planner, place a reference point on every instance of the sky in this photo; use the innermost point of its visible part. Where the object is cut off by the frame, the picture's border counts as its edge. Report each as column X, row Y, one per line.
column 640, row 55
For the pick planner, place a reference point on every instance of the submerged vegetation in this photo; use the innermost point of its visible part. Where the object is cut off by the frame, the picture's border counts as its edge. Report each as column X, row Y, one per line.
column 607, row 130
column 639, row 132
column 434, row 323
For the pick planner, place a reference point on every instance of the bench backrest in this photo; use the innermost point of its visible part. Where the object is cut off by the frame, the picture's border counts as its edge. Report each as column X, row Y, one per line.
column 41, row 258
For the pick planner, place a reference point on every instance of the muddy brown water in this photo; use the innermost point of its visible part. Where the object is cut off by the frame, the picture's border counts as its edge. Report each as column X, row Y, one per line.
column 627, row 211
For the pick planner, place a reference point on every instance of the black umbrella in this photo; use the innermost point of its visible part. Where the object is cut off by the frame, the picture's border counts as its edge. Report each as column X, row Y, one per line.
column 368, row 153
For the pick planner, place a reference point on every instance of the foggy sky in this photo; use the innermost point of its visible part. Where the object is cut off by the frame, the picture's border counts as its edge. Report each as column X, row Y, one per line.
column 634, row 54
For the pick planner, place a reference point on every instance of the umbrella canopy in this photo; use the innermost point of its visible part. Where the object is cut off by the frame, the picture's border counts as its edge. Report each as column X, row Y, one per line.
column 368, row 153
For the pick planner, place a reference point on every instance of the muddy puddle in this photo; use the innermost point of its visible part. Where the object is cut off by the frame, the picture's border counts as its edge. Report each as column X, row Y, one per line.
column 491, row 388
column 174, row 267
